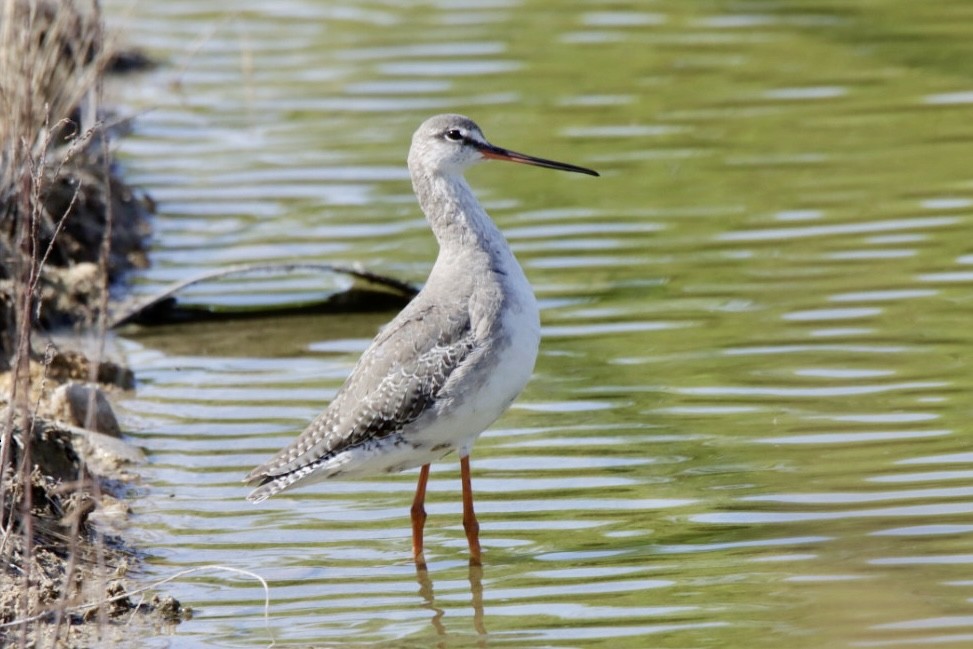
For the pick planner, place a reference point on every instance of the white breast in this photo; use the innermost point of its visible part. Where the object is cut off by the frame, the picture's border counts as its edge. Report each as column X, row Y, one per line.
column 491, row 384
column 514, row 367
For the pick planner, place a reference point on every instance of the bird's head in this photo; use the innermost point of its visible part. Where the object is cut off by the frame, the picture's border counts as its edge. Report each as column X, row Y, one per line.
column 448, row 144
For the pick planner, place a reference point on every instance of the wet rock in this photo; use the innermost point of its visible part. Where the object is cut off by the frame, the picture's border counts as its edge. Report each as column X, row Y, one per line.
column 85, row 406
column 170, row 609
column 78, row 507
column 68, row 365
column 52, row 452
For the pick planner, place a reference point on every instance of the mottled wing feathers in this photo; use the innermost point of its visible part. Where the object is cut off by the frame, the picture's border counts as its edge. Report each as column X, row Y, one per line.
column 396, row 380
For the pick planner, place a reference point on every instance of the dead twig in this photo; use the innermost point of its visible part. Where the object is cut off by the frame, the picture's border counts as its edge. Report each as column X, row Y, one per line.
column 132, row 313
column 78, row 608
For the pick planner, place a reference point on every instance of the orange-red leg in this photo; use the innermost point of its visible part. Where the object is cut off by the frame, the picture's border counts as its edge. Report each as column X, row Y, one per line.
column 470, row 523
column 419, row 514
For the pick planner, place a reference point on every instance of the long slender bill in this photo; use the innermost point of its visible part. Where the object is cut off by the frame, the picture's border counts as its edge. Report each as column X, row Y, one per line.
column 496, row 153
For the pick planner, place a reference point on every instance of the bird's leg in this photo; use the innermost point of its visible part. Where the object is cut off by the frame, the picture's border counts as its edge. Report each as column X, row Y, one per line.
column 419, row 515
column 470, row 523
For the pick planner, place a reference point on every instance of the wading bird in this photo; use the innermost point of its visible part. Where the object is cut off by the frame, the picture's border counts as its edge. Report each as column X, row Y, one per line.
column 450, row 363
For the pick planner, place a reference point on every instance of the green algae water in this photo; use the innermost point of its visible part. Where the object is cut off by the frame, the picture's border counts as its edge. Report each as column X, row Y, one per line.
column 749, row 425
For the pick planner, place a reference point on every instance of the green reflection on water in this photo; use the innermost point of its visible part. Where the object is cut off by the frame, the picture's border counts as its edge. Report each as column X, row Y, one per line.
column 756, row 322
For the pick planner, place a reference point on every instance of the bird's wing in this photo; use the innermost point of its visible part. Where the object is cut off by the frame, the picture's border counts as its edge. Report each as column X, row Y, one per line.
column 397, row 378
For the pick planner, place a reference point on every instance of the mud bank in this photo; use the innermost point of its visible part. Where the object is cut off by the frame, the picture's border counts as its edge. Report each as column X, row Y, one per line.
column 65, row 555
column 69, row 229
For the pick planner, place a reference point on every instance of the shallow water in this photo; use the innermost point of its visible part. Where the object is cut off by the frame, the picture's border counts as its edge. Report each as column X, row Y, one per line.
column 749, row 422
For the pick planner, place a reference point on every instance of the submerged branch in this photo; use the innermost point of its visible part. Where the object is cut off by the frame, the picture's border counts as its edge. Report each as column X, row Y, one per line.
column 161, row 307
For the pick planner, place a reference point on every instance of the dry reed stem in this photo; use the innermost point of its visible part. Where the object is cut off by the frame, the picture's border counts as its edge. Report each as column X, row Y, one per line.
column 52, row 56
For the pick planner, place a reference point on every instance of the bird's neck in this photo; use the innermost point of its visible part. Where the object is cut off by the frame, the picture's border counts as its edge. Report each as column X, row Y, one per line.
column 460, row 224
column 472, row 251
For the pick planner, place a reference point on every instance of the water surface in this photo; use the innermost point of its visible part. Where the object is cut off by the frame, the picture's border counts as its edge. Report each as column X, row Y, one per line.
column 749, row 422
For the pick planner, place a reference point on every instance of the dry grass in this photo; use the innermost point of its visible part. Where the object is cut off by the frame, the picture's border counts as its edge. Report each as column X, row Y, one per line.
column 51, row 60
column 52, row 56
column 61, row 211
column 57, row 192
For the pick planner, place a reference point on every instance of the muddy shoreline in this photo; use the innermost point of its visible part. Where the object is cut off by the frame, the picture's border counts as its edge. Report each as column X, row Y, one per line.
column 70, row 228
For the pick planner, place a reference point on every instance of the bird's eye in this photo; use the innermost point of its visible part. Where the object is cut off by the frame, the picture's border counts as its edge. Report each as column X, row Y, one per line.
column 454, row 135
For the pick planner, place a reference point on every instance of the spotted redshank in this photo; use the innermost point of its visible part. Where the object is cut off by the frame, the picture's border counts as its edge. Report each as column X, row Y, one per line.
column 450, row 363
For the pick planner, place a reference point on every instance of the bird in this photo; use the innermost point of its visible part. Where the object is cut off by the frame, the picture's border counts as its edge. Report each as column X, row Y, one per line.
column 450, row 363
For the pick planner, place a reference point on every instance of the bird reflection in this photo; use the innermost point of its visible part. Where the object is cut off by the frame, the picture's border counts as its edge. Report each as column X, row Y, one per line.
column 476, row 600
